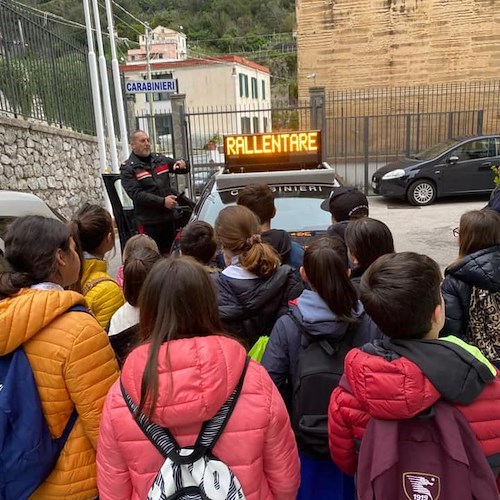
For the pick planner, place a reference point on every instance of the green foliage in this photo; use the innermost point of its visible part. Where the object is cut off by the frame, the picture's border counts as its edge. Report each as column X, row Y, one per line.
column 47, row 88
column 496, row 171
column 16, row 85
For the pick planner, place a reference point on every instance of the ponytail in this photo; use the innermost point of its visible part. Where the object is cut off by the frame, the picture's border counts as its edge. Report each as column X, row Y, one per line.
column 135, row 271
column 31, row 244
column 260, row 259
column 326, row 265
column 238, row 230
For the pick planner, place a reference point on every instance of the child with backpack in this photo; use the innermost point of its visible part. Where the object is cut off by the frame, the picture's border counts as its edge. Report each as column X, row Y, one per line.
column 94, row 234
column 406, row 397
column 189, row 384
column 366, row 239
column 471, row 287
column 56, row 367
column 254, row 289
column 305, row 358
column 124, row 325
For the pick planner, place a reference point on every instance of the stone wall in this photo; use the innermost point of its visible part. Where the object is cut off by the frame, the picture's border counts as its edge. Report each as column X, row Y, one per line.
column 362, row 44
column 58, row 165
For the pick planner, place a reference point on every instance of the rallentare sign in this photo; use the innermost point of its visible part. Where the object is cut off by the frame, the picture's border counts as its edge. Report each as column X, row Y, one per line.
column 273, row 147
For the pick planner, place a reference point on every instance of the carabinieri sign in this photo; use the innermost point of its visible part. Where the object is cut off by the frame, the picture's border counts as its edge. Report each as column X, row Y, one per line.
column 135, row 87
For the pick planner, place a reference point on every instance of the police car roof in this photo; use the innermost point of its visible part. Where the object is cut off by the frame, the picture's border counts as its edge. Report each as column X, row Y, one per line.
column 323, row 175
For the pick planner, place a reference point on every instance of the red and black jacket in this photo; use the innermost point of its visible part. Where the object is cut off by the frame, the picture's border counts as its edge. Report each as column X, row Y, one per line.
column 148, row 185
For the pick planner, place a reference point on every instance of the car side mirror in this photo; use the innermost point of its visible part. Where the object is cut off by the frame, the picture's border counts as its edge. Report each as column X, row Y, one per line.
column 453, row 159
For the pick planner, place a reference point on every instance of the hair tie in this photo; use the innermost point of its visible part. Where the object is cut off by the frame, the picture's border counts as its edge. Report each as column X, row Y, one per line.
column 250, row 242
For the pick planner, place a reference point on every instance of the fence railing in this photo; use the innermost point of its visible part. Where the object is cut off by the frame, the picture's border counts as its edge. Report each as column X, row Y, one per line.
column 362, row 130
column 43, row 75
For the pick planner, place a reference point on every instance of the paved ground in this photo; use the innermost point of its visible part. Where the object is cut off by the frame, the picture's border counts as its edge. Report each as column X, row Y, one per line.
column 425, row 230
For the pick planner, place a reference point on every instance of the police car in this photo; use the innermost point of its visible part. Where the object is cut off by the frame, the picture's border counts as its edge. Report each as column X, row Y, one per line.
column 15, row 204
column 290, row 164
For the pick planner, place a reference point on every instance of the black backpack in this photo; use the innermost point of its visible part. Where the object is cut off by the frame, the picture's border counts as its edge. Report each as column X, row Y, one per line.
column 319, row 370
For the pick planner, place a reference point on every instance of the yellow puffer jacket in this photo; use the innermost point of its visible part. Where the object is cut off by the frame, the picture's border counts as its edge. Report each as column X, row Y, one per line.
column 74, row 366
column 103, row 295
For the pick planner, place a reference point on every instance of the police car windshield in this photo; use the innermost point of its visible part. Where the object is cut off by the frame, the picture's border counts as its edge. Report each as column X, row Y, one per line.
column 297, row 207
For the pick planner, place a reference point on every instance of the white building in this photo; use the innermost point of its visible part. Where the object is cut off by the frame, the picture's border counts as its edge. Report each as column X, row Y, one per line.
column 234, row 91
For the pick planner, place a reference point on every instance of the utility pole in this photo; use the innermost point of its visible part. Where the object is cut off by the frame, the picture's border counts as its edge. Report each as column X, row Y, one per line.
column 108, row 111
column 118, row 84
column 149, row 36
column 94, row 83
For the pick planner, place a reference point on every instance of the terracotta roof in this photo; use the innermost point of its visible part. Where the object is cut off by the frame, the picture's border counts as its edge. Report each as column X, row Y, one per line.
column 186, row 63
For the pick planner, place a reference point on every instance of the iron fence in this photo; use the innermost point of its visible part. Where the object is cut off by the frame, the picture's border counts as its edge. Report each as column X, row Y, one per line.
column 364, row 129
column 43, row 75
column 361, row 130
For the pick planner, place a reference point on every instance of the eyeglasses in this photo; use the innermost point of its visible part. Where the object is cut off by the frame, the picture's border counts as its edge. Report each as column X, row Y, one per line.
column 456, row 232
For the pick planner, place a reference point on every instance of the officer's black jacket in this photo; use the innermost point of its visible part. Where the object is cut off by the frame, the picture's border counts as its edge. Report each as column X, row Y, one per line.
column 147, row 186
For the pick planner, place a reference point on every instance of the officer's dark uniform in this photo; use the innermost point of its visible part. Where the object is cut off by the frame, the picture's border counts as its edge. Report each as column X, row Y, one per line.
column 148, row 184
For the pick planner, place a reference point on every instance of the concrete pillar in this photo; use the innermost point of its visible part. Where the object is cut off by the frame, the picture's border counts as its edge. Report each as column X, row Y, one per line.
column 318, row 116
column 179, row 139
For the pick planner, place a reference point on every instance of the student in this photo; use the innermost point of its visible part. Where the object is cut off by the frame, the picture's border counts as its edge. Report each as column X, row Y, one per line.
column 259, row 198
column 366, row 239
column 402, row 293
column 329, row 311
column 180, row 376
column 93, row 231
column 198, row 241
column 124, row 324
column 254, row 289
column 346, row 203
column 471, row 288
column 69, row 353
column 136, row 242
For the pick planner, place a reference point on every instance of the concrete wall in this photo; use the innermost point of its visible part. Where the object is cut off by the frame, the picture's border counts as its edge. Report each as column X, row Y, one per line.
column 59, row 166
column 359, row 44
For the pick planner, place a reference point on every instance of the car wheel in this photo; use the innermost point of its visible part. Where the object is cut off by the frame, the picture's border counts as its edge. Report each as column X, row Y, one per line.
column 422, row 193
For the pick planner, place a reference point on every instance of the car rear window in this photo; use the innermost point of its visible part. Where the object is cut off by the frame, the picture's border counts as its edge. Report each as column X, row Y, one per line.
column 297, row 207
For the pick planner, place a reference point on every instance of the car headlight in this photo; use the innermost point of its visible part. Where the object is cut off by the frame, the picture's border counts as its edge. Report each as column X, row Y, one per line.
column 394, row 174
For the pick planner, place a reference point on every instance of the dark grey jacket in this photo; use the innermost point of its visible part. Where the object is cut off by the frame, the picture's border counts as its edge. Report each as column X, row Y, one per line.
column 148, row 185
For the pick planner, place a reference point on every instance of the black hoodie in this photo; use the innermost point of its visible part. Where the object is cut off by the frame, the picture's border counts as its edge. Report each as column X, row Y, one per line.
column 249, row 308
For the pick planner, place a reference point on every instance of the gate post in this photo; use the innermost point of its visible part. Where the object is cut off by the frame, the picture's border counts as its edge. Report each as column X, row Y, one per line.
column 179, row 140
column 318, row 116
column 132, row 124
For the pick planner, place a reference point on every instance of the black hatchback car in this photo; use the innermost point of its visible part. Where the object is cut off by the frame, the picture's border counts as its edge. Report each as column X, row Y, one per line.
column 456, row 167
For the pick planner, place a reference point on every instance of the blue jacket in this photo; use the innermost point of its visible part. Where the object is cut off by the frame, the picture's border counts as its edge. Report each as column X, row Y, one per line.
column 286, row 343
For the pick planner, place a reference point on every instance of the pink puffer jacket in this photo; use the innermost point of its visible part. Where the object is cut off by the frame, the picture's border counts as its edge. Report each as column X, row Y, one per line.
column 258, row 443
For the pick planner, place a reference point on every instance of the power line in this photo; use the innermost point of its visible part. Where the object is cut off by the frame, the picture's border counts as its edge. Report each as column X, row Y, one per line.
column 54, row 17
column 242, row 37
column 121, row 20
column 131, row 15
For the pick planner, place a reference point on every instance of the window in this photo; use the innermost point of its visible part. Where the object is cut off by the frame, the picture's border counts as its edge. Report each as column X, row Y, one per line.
column 263, row 90
column 242, row 88
column 255, row 93
column 472, row 150
column 243, row 85
column 163, row 96
column 266, row 125
column 245, row 125
column 496, row 149
column 255, row 124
